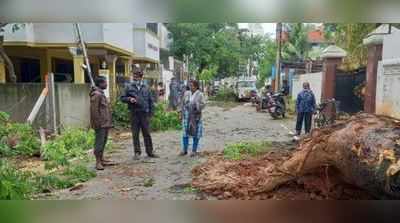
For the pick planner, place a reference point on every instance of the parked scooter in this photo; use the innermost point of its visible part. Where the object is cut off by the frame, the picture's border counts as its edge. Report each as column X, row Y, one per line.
column 276, row 105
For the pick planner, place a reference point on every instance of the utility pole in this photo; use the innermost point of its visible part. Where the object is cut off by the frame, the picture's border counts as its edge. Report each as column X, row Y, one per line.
column 278, row 55
column 82, row 45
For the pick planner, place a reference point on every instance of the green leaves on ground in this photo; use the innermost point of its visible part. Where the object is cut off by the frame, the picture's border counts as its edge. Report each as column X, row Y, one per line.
column 14, row 184
column 19, row 185
column 18, row 139
column 242, row 150
column 73, row 143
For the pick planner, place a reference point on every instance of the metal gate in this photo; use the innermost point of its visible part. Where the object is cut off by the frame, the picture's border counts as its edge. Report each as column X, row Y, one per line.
column 348, row 85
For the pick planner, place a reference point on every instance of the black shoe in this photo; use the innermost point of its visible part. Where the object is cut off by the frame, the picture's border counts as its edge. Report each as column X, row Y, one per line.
column 136, row 156
column 153, row 156
column 194, row 154
column 183, row 153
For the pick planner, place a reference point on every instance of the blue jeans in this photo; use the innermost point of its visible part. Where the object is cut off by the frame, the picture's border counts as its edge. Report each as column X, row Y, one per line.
column 185, row 144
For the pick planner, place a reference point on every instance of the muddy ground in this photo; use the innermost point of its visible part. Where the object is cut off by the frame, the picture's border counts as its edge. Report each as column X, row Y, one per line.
column 169, row 177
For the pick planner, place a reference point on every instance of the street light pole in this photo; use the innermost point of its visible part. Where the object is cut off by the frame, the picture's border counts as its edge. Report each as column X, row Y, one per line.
column 278, row 55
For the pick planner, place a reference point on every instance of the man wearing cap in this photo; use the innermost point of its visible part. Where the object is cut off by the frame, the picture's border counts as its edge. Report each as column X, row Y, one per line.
column 141, row 105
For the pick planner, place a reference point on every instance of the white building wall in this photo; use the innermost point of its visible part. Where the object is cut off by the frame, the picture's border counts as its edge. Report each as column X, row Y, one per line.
column 139, row 41
column 388, row 77
column 116, row 34
column 315, row 80
column 119, row 35
column 65, row 32
column 152, row 46
column 165, row 40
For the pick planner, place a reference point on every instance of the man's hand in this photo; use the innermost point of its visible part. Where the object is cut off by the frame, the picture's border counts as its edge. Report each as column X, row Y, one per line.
column 132, row 100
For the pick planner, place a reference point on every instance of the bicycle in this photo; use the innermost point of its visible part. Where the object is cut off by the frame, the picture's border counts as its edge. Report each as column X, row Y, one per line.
column 320, row 119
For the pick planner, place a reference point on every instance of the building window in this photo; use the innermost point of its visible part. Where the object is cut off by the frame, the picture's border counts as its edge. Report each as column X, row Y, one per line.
column 153, row 27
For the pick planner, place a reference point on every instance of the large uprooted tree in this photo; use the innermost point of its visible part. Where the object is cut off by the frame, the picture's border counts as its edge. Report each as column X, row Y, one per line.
column 364, row 152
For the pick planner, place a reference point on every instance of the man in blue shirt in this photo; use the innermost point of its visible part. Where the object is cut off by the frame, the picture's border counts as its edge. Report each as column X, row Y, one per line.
column 305, row 107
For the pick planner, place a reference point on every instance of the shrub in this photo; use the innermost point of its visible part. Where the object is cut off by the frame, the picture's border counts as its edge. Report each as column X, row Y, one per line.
column 164, row 120
column 17, row 138
column 241, row 150
column 120, row 115
column 225, row 94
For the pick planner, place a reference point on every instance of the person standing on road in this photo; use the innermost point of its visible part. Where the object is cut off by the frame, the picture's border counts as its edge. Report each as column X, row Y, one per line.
column 193, row 103
column 305, row 107
column 174, row 94
column 141, row 105
column 100, row 120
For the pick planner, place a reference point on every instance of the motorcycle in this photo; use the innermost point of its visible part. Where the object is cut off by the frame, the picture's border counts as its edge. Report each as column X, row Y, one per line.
column 262, row 102
column 276, row 105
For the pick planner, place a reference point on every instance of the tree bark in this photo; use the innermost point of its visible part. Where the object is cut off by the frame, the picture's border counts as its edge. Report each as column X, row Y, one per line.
column 10, row 66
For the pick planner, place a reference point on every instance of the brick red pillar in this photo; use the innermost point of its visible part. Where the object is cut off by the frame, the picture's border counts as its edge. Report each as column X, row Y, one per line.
column 332, row 57
column 329, row 78
column 374, row 56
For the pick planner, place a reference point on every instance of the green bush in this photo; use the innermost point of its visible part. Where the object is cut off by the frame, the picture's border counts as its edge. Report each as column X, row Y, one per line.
column 161, row 121
column 120, row 115
column 165, row 120
column 73, row 143
column 225, row 94
column 242, row 150
column 17, row 138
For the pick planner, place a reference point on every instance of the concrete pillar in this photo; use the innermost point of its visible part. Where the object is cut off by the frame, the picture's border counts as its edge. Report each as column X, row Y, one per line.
column 374, row 43
column 332, row 57
column 111, row 61
column 127, row 66
column 78, row 60
column 2, row 73
column 79, row 72
column 45, row 64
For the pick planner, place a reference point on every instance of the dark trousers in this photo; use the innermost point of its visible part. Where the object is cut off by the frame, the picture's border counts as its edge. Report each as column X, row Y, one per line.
column 141, row 121
column 307, row 118
column 100, row 141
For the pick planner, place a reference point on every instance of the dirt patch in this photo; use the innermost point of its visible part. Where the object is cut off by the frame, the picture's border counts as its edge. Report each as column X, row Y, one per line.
column 226, row 179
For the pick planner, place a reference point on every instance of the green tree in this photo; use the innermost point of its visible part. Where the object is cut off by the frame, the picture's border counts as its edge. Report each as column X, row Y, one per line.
column 267, row 62
column 297, row 46
column 349, row 36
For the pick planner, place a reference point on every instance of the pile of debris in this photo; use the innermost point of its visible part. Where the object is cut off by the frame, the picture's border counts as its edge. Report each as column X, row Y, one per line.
column 355, row 159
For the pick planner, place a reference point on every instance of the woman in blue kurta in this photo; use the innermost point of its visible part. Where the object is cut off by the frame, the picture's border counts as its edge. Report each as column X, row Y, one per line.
column 193, row 104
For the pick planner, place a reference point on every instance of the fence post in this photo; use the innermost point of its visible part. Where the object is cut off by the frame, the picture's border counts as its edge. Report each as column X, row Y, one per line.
column 51, row 102
column 332, row 57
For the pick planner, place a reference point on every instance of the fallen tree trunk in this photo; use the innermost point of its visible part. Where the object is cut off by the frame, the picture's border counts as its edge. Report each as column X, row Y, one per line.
column 365, row 151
